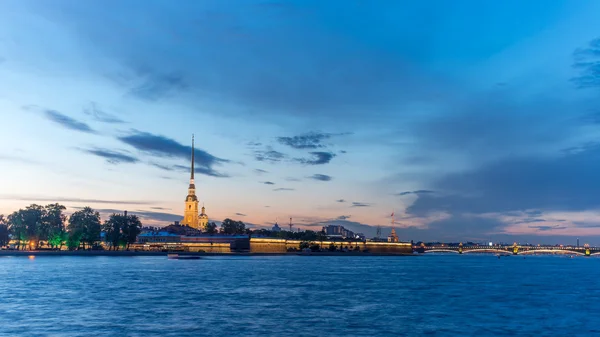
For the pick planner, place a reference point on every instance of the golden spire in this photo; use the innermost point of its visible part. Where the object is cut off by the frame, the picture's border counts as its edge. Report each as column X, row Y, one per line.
column 192, row 175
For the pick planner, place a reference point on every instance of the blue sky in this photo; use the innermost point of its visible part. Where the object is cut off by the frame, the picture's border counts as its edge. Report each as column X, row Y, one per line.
column 471, row 120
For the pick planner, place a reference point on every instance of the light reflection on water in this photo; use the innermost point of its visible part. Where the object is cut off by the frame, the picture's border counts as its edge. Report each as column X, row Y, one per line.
column 437, row 295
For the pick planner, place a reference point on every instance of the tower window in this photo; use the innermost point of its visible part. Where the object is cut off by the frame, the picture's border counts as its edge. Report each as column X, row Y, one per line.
column 190, row 207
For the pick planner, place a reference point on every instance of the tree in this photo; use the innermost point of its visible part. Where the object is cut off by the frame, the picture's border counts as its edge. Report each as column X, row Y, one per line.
column 33, row 217
column 84, row 227
column 131, row 229
column 53, row 225
column 232, row 227
column 112, row 229
column 4, row 238
column 211, row 228
column 17, row 227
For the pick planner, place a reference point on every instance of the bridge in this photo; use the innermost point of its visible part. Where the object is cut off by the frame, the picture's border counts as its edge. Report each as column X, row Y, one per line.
column 515, row 249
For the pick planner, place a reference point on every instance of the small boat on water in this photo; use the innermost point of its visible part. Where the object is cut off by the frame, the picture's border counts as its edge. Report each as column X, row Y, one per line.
column 182, row 257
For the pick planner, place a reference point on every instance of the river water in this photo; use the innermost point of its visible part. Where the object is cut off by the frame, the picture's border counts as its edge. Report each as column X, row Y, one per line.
column 436, row 295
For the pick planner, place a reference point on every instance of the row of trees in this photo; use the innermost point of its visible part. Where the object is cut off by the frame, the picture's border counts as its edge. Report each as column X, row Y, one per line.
column 35, row 225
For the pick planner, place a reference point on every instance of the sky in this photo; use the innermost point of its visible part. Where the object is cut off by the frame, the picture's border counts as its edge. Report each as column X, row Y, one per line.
column 469, row 120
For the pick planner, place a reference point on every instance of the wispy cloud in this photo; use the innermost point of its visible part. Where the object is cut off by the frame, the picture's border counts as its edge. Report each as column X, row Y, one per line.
column 360, row 204
column 547, row 228
column 311, row 140
column 74, row 200
column 318, row 158
column 144, row 215
column 321, row 177
column 268, row 183
column 67, row 122
column 112, row 157
column 340, row 200
column 269, row 155
column 283, row 189
column 415, row 192
column 161, row 146
column 94, row 111
column 587, row 62
column 240, row 214
column 17, row 159
column 260, row 171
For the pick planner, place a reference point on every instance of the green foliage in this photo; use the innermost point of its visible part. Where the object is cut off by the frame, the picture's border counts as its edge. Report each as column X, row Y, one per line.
column 53, row 225
column 211, row 228
column 304, row 244
column 122, row 230
column 112, row 229
column 17, row 227
column 229, row 226
column 4, row 238
column 74, row 240
column 85, row 226
column 307, row 235
column 315, row 247
column 131, row 229
column 57, row 239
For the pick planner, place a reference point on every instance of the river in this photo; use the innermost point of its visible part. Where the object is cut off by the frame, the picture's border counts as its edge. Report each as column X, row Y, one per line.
column 435, row 295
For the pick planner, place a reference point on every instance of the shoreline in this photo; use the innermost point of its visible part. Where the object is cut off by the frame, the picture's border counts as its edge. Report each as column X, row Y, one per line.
column 122, row 253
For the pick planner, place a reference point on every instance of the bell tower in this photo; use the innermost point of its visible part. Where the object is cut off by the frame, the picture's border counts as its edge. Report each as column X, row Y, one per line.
column 190, row 213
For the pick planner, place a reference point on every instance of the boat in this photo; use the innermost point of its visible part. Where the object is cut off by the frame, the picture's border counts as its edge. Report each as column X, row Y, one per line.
column 182, row 257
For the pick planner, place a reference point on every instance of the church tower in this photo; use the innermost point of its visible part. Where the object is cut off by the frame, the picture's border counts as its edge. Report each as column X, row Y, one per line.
column 203, row 221
column 190, row 214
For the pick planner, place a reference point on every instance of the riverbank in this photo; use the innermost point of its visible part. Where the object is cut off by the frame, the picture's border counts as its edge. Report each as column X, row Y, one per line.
column 147, row 253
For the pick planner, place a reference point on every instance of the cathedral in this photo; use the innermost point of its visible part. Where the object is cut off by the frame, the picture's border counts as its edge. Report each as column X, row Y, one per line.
column 190, row 215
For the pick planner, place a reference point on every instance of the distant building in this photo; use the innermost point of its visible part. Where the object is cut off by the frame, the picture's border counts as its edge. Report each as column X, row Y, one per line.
column 393, row 237
column 276, row 228
column 337, row 231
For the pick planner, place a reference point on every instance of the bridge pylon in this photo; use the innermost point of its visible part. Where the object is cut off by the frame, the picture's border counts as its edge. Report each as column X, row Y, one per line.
column 515, row 249
column 460, row 248
column 587, row 250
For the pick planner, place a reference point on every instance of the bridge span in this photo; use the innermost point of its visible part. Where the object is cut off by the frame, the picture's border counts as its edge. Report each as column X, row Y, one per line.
column 515, row 249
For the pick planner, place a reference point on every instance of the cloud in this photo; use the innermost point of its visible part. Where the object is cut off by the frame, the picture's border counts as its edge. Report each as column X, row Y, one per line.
column 414, row 192
column 547, row 228
column 563, row 182
column 319, row 158
column 360, row 204
column 161, row 146
column 587, row 63
column 311, row 140
column 283, row 189
column 340, row 200
column 343, row 217
column 160, row 208
column 259, row 171
column 150, row 84
column 18, row 159
column 321, row 177
column 292, row 179
column 268, row 183
column 465, row 227
column 75, row 200
column 269, row 155
column 101, row 116
column 240, row 214
column 67, row 122
column 144, row 215
column 112, row 157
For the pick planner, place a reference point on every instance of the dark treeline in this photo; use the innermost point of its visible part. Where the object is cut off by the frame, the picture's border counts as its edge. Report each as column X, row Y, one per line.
column 38, row 227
